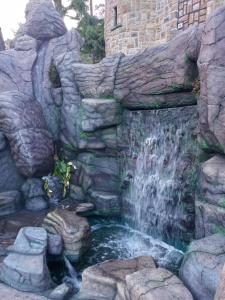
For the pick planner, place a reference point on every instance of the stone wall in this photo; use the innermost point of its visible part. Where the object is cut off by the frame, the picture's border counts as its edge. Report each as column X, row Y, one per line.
column 135, row 25
column 140, row 24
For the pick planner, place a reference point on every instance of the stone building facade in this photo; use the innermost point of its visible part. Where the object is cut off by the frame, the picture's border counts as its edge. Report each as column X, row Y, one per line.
column 133, row 25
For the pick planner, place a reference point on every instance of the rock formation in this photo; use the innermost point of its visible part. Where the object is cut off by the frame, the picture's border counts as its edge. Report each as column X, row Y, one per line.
column 130, row 280
column 202, row 266
column 25, row 267
column 74, row 230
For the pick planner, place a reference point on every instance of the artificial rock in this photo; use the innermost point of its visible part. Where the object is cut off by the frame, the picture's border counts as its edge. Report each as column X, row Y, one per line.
column 25, row 267
column 202, row 265
column 10, row 202
column 210, row 200
column 74, row 230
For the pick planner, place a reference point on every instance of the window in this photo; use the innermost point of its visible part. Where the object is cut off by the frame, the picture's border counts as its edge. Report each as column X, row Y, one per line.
column 115, row 17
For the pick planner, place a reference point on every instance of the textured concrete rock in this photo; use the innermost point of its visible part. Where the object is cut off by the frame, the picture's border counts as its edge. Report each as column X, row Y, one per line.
column 8, row 293
column 220, row 292
column 101, row 281
column 43, row 22
column 157, row 284
column 168, row 68
column 99, row 113
column 211, row 69
column 105, row 204
column 3, row 142
column 84, row 209
column 75, row 232
column 34, row 194
column 101, row 173
column 47, row 84
column 16, row 70
column 10, row 202
column 55, row 244
column 11, row 178
column 61, row 292
column 202, row 265
column 210, row 206
column 23, row 124
column 25, row 43
column 25, row 267
column 209, row 219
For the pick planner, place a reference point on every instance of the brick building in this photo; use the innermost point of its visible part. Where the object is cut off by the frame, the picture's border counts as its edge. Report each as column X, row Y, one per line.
column 132, row 25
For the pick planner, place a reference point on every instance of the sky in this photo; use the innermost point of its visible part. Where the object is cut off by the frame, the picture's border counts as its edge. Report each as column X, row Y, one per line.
column 12, row 13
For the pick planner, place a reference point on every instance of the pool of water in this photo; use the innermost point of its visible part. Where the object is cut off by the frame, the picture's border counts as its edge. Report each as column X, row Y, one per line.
column 116, row 241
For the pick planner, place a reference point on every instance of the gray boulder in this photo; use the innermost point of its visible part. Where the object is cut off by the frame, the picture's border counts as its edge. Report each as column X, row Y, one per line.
column 202, row 265
column 10, row 202
column 34, row 195
column 210, row 203
column 23, row 124
column 8, row 293
column 25, row 267
column 220, row 292
column 74, row 230
column 211, row 69
column 43, row 22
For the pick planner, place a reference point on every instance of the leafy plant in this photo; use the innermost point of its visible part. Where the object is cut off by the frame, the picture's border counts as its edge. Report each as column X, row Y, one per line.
column 63, row 170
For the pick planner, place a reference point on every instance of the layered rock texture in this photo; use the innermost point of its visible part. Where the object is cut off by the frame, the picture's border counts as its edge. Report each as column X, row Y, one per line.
column 74, row 230
column 132, row 279
column 25, row 268
column 202, row 266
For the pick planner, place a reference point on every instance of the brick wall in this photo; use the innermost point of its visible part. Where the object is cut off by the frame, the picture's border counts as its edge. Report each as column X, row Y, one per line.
column 145, row 23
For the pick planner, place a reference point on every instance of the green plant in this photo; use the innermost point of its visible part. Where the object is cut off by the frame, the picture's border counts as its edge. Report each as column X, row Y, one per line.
column 63, row 170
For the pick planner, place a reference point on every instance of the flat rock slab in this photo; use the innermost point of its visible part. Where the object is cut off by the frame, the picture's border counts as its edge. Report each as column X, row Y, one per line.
column 157, row 284
column 202, row 265
column 8, row 293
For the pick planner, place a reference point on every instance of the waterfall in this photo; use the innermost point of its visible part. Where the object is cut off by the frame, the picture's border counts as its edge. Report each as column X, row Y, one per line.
column 73, row 277
column 161, row 162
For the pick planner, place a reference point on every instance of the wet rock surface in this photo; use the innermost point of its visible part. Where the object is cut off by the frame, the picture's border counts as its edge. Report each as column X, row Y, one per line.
column 25, row 267
column 202, row 266
column 210, row 202
column 75, row 232
column 9, row 293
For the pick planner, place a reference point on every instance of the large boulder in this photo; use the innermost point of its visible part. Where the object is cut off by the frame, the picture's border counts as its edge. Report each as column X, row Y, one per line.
column 10, row 202
column 34, row 194
column 75, row 232
column 43, row 22
column 210, row 205
column 202, row 265
column 211, row 67
column 22, row 122
column 153, row 283
column 25, row 267
column 131, row 279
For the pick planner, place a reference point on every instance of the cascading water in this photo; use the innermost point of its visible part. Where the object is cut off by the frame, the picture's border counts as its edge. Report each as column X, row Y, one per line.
column 160, row 162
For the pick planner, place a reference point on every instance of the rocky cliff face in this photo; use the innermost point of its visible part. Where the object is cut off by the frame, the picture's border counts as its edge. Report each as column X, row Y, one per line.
column 48, row 97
